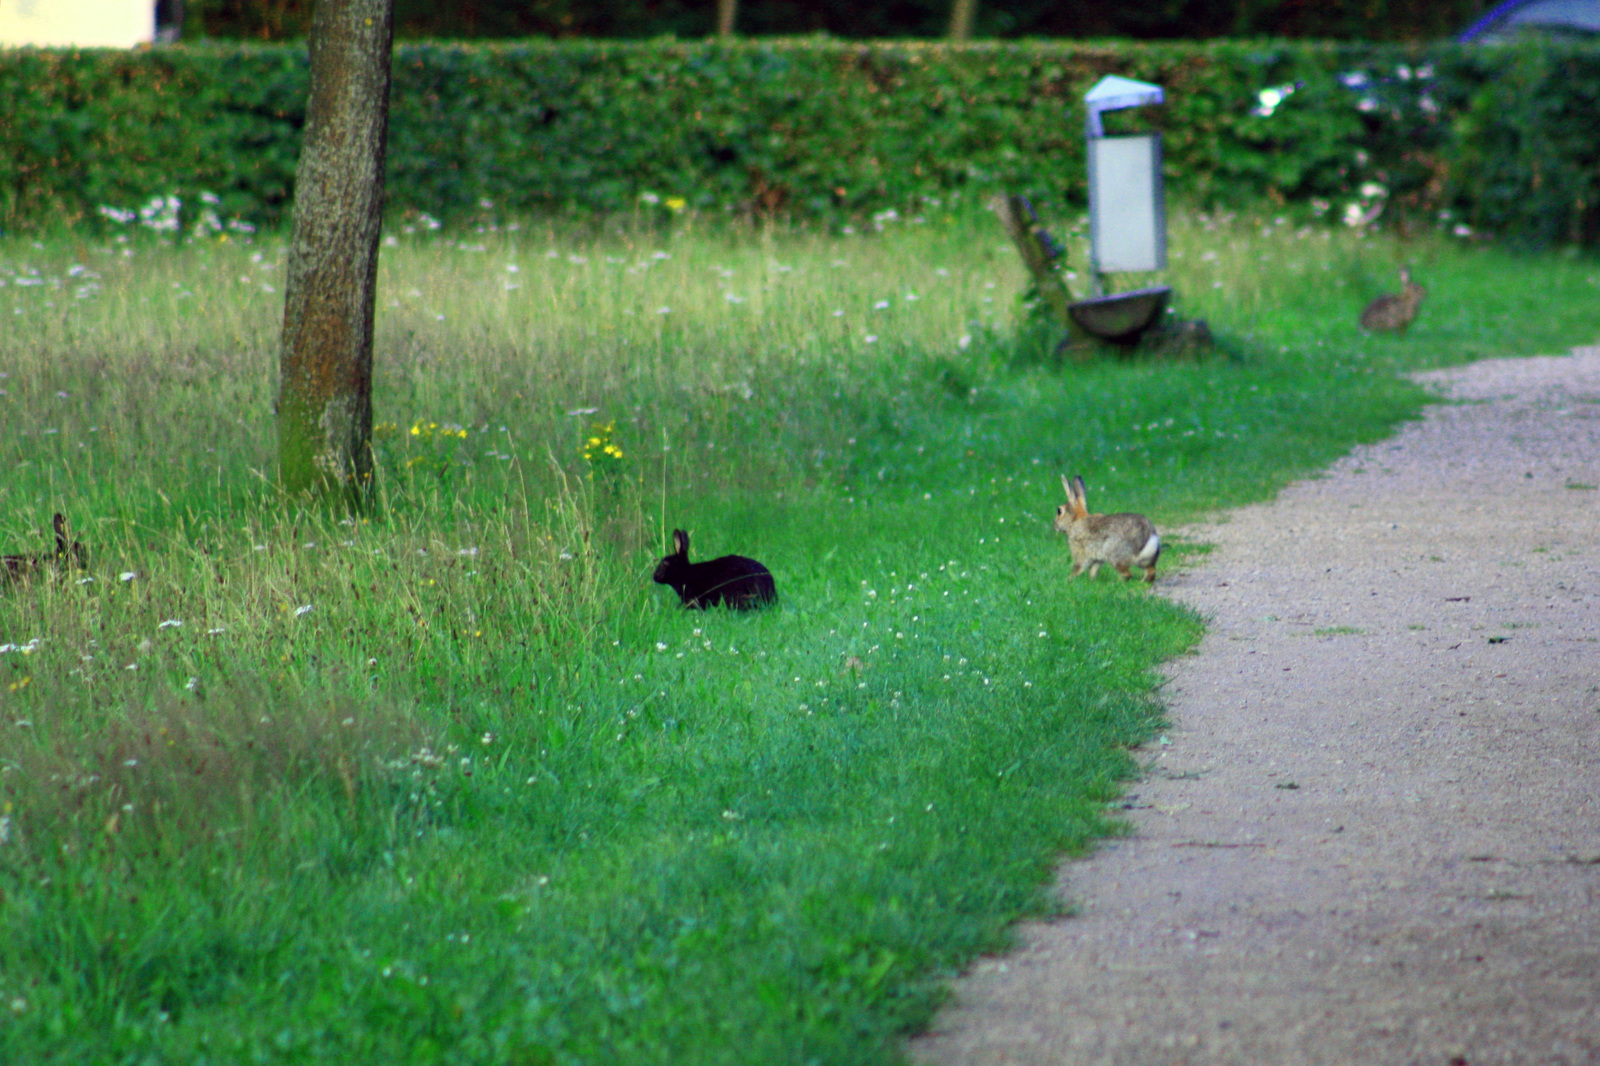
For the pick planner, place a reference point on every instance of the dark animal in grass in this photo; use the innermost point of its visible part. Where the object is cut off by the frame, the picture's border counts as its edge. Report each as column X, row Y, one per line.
column 1392, row 312
column 733, row 580
column 68, row 553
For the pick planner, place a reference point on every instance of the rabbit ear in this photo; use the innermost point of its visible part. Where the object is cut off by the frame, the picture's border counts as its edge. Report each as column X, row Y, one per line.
column 680, row 543
column 1079, row 497
column 1066, row 485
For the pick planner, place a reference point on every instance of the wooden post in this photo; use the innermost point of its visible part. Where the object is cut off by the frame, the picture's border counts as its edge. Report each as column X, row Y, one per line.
column 325, row 393
column 1040, row 253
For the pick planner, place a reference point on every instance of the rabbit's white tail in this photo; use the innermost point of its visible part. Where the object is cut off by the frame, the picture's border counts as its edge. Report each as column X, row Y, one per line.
column 1147, row 554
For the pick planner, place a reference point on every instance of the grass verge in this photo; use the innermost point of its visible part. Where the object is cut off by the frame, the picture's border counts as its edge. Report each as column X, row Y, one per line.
column 456, row 782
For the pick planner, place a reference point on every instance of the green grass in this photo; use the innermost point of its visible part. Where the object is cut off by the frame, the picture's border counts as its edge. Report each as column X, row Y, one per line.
column 456, row 782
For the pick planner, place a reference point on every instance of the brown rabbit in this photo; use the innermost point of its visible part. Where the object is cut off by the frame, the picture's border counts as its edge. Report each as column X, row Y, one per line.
column 1121, row 540
column 1391, row 312
column 69, row 552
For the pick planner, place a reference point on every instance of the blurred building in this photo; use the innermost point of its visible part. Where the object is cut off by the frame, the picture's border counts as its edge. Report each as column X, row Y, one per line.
column 82, row 23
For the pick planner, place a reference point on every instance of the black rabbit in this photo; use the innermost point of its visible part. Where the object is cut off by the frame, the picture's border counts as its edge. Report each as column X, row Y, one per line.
column 732, row 579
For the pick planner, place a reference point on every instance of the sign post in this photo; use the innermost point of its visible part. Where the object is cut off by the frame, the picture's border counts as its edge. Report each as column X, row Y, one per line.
column 1127, row 200
column 1127, row 215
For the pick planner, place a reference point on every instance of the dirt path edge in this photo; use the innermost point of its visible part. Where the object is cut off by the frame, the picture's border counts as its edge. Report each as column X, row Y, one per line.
column 1372, row 834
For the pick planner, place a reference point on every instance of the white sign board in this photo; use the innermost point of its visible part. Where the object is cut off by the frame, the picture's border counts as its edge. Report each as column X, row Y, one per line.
column 77, row 23
column 1127, row 203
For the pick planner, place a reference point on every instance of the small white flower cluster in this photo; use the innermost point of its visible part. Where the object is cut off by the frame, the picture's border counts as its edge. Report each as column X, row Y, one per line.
column 163, row 215
column 1267, row 100
column 1365, row 211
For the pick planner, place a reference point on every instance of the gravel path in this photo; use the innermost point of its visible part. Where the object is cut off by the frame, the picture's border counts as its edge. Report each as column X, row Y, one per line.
column 1372, row 835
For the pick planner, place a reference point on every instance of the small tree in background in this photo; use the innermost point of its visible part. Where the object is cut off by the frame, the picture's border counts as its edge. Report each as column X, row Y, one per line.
column 325, row 392
column 961, row 16
column 727, row 15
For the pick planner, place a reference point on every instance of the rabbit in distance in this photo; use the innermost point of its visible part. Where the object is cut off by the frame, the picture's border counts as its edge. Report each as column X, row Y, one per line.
column 1121, row 541
column 1395, row 312
column 733, row 580
column 68, row 552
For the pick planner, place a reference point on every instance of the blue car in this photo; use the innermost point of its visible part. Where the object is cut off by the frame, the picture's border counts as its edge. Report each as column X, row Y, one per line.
column 1577, row 20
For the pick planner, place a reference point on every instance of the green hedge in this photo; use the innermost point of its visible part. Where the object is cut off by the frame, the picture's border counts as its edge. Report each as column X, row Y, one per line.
column 1503, row 138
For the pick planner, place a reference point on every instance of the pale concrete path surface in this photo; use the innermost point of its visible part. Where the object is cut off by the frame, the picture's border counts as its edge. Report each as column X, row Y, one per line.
column 1372, row 834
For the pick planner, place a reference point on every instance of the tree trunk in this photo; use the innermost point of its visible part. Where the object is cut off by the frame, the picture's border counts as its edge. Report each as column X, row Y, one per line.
column 962, row 13
column 727, row 15
column 325, row 393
